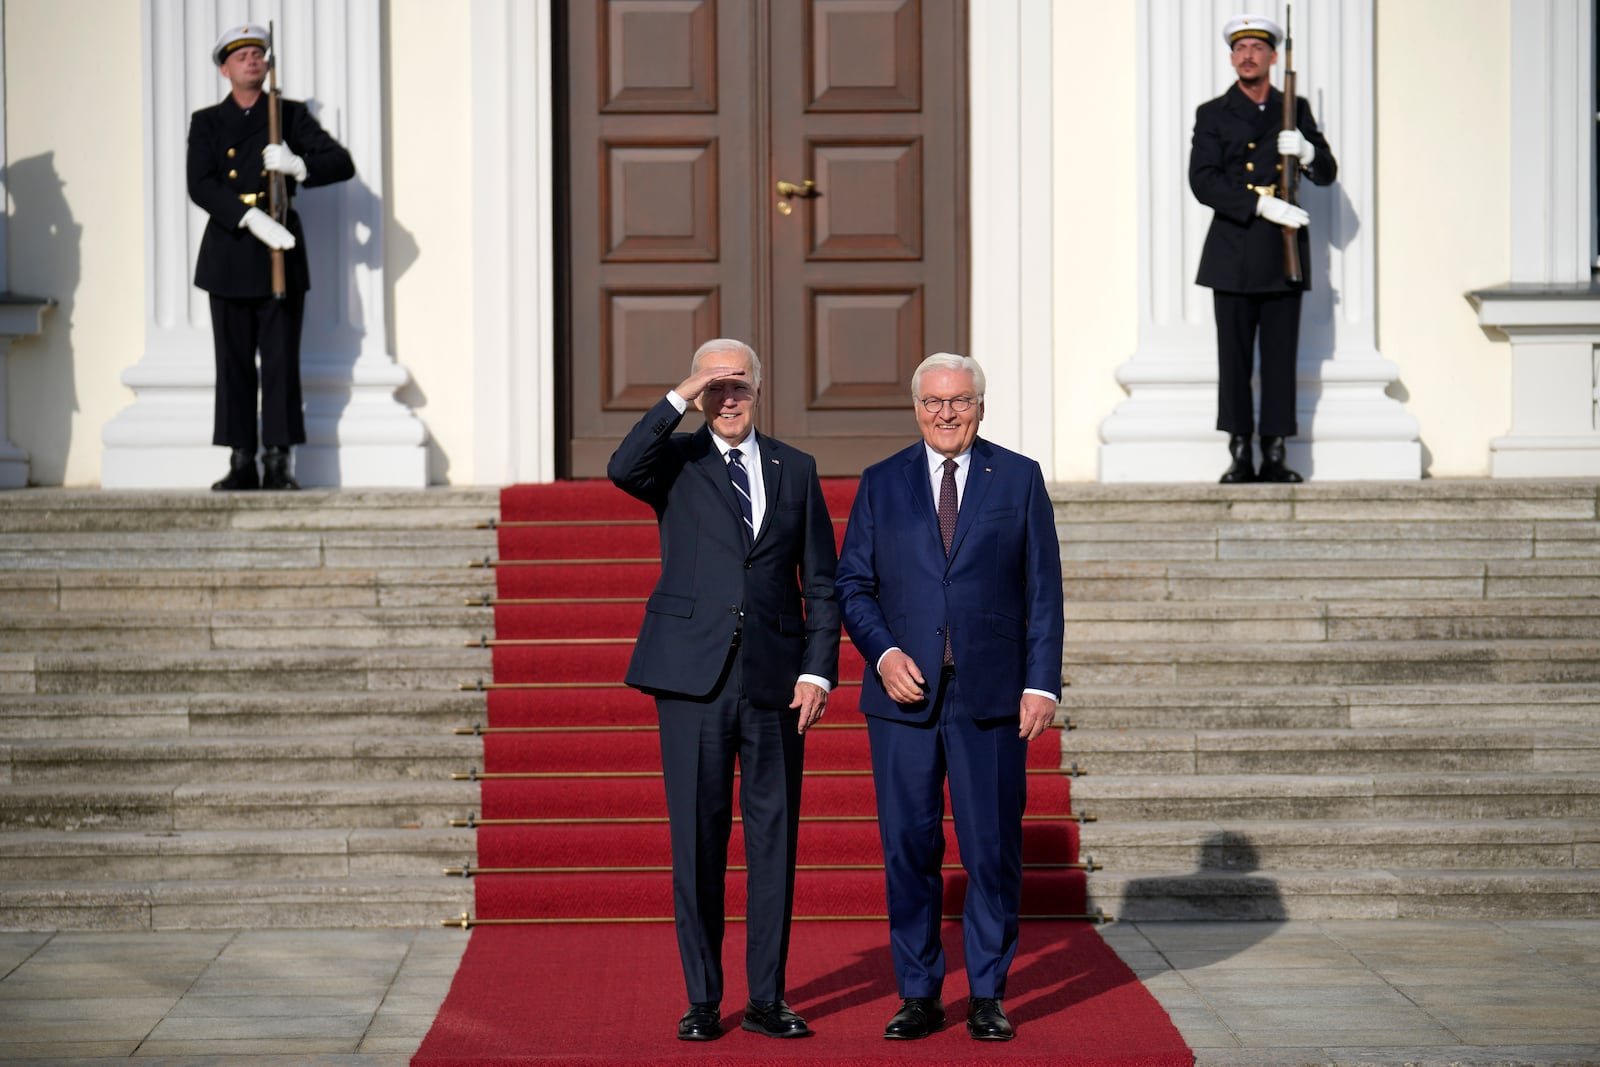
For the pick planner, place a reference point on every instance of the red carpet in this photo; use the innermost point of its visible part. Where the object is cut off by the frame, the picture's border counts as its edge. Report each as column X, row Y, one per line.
column 572, row 838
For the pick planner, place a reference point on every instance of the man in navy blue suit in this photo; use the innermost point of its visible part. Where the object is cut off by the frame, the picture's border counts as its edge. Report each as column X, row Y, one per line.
column 950, row 586
column 740, row 648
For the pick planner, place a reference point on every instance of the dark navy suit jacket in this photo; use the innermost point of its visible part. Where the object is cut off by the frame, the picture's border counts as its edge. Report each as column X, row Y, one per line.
column 714, row 578
column 999, row 591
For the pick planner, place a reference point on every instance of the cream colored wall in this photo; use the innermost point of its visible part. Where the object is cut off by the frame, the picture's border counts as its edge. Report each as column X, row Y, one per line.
column 428, row 256
column 75, row 225
column 1443, row 226
column 1095, row 223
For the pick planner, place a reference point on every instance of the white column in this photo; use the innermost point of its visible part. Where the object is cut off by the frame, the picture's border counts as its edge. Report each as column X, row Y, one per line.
column 1349, row 427
column 1550, row 311
column 1009, row 71
column 358, row 432
column 513, row 309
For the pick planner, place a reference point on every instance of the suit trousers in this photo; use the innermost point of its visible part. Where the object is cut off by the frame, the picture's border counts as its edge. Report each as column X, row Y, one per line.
column 1242, row 320
column 239, row 329
column 701, row 739
column 986, row 764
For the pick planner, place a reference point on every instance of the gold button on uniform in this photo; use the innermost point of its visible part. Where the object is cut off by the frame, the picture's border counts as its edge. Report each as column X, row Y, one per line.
column 232, row 174
column 230, row 152
column 1249, row 166
column 1252, row 144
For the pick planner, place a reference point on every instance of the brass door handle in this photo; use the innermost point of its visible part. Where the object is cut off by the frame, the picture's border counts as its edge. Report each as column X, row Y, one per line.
column 806, row 190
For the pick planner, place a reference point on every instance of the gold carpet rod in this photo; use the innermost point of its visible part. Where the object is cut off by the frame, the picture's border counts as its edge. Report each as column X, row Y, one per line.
column 472, row 822
column 475, row 775
column 535, row 524
column 490, row 561
column 466, row 870
column 466, row 921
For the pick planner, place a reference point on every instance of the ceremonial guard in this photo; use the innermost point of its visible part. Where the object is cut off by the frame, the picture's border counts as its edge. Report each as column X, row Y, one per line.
column 1241, row 144
column 230, row 163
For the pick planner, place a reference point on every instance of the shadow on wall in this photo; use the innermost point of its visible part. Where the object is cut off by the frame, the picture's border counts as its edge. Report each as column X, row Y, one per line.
column 45, row 261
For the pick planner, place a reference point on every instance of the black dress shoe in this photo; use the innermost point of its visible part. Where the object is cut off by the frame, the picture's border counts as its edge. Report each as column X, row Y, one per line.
column 275, row 469
column 702, row 1022
column 241, row 472
column 1273, row 469
column 774, row 1019
column 986, row 1020
column 917, row 1017
column 1242, row 469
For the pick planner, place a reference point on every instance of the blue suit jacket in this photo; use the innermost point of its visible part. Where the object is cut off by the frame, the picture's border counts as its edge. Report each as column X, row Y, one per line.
column 714, row 576
column 999, row 591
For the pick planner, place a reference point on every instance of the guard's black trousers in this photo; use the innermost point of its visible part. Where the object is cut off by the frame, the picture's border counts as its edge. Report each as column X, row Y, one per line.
column 241, row 328
column 1242, row 318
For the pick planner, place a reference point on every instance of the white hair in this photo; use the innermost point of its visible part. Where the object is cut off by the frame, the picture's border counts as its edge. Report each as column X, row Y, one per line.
column 728, row 344
column 947, row 361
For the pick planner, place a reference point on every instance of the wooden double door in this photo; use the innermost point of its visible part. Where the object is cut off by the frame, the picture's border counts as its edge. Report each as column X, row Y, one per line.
column 791, row 173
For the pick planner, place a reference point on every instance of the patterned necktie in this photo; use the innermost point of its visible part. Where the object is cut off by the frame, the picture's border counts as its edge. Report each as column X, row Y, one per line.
column 741, row 484
column 947, row 531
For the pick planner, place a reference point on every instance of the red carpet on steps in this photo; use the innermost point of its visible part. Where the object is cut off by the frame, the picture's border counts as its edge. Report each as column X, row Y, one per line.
column 574, row 958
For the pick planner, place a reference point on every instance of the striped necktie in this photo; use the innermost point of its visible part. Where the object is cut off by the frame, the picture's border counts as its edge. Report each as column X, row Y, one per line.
column 741, row 485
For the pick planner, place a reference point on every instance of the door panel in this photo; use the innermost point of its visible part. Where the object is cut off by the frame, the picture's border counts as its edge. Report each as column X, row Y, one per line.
column 677, row 137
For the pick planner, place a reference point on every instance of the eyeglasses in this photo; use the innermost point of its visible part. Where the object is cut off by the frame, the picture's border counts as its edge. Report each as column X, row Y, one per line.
column 934, row 404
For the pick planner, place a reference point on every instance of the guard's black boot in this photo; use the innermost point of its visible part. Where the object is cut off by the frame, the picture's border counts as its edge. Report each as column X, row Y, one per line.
column 241, row 472
column 1273, row 468
column 275, row 469
column 1242, row 469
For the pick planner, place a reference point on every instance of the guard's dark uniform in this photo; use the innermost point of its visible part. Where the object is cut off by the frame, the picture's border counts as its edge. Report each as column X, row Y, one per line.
column 1234, row 154
column 226, row 178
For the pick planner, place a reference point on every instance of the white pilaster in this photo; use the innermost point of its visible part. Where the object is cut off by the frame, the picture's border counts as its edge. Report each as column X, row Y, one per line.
column 1009, row 82
column 1350, row 428
column 1550, row 312
column 513, row 310
column 358, row 432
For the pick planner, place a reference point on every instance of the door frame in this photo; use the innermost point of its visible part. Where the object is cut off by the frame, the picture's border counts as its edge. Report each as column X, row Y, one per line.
column 513, row 316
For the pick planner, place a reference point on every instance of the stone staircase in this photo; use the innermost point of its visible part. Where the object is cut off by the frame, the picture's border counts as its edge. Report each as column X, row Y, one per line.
column 1313, row 701
column 237, row 710
column 1336, row 701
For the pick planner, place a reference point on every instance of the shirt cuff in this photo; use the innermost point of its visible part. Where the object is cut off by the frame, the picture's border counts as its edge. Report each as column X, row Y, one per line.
column 816, row 680
column 677, row 401
column 1055, row 698
column 878, row 666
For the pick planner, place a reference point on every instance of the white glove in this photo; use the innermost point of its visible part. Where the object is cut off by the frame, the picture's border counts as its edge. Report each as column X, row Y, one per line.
column 1282, row 212
column 1291, row 143
column 268, row 232
column 278, row 157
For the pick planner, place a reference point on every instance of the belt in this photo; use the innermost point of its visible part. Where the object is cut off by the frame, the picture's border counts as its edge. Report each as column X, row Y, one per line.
column 1264, row 190
column 252, row 199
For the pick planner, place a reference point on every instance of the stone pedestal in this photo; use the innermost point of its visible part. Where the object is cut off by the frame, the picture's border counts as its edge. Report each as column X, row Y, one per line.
column 358, row 432
column 1350, row 428
column 20, row 316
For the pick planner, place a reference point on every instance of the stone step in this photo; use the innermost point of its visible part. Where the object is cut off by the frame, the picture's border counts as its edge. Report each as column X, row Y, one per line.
column 242, row 549
column 1244, row 845
column 1381, row 620
column 352, row 628
column 26, row 716
column 1435, row 795
column 349, row 670
column 1349, row 502
column 173, row 855
column 1430, row 707
column 76, row 511
column 1332, row 663
column 1367, row 541
column 242, row 590
column 1305, row 751
column 1349, row 894
column 175, row 761
column 237, row 806
column 234, row 904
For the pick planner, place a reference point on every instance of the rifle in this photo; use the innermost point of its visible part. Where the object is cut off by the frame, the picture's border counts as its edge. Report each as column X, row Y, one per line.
column 277, row 184
column 1290, row 165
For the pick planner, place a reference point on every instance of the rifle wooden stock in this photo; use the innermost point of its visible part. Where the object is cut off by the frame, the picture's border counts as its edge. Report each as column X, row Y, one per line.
column 277, row 188
column 1290, row 165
